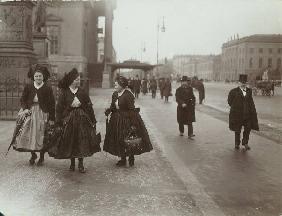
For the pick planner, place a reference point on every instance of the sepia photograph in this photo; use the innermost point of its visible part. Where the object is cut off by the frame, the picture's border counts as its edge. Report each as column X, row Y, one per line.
column 140, row 108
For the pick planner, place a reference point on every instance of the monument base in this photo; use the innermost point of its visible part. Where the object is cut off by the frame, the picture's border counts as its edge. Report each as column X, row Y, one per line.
column 106, row 81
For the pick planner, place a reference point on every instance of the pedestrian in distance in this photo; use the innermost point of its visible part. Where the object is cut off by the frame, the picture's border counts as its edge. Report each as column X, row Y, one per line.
column 74, row 113
column 144, row 84
column 242, row 112
column 201, row 90
column 186, row 106
column 161, row 87
column 167, row 89
column 153, row 86
column 123, row 118
column 137, row 87
column 273, row 87
column 37, row 110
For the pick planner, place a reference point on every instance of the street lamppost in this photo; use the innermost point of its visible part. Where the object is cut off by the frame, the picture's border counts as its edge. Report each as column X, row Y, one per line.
column 143, row 49
column 163, row 30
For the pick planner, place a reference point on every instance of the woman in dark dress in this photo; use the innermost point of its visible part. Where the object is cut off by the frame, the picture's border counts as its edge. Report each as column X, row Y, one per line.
column 124, row 116
column 37, row 108
column 75, row 114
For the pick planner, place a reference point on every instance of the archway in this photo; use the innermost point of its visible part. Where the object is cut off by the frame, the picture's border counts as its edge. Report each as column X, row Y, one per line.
column 129, row 65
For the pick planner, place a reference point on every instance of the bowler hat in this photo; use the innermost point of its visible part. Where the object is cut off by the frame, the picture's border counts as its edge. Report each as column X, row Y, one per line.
column 243, row 78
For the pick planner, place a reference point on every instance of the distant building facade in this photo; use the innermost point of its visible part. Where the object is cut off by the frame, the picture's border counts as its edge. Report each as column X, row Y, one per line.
column 182, row 64
column 252, row 55
column 202, row 66
column 209, row 68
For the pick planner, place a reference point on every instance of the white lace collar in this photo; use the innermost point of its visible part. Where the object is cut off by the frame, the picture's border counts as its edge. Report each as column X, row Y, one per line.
column 74, row 91
column 121, row 93
column 37, row 86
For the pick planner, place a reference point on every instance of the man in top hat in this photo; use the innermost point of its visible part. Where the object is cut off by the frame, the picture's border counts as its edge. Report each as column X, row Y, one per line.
column 242, row 112
column 186, row 106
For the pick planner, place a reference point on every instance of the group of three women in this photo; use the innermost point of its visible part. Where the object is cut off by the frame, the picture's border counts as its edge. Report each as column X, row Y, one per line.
column 74, row 114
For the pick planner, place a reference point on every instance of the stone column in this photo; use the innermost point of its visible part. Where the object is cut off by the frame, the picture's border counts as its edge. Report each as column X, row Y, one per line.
column 108, row 45
column 16, row 51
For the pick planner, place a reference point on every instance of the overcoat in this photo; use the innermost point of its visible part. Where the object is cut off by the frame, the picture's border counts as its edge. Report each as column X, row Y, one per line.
column 136, row 86
column 236, row 117
column 167, row 88
column 185, row 95
column 201, row 89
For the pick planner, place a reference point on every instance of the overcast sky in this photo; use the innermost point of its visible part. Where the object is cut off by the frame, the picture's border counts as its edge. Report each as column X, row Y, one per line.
column 192, row 26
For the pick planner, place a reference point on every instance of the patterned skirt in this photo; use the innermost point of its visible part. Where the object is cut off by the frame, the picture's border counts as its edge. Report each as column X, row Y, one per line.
column 30, row 134
column 78, row 138
column 118, row 129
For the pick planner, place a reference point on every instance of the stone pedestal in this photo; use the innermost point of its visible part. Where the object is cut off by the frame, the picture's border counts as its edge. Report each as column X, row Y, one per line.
column 40, row 45
column 16, row 51
column 106, row 80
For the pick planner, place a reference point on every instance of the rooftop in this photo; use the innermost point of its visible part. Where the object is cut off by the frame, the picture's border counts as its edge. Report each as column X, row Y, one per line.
column 257, row 38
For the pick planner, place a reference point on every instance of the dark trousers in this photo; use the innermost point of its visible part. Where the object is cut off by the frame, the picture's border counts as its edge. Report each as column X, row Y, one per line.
column 190, row 128
column 166, row 98
column 246, row 133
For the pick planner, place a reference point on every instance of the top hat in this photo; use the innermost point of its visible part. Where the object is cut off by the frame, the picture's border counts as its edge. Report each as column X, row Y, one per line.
column 243, row 78
column 185, row 79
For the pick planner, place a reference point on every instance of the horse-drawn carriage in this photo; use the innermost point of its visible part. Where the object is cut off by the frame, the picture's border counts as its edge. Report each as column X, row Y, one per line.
column 263, row 87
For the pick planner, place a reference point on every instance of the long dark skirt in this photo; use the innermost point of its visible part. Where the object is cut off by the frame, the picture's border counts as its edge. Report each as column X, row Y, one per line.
column 118, row 129
column 78, row 138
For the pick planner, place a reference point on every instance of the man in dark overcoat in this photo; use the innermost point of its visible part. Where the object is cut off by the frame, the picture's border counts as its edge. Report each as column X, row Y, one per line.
column 136, row 86
column 153, row 86
column 201, row 90
column 242, row 112
column 161, row 87
column 186, row 106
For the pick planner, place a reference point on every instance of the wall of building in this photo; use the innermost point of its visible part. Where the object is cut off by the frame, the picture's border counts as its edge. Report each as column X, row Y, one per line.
column 251, row 55
column 77, row 23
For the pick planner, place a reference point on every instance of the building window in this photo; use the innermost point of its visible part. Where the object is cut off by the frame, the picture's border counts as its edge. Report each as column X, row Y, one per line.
column 278, row 62
column 53, row 33
column 279, row 50
column 251, row 63
column 260, row 62
column 251, row 50
column 270, row 62
column 270, row 50
column 260, row 50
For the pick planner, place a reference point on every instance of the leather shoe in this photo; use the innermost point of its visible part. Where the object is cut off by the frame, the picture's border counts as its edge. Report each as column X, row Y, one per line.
column 121, row 163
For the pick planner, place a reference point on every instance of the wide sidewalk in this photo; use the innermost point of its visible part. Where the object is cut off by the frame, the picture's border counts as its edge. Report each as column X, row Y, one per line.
column 150, row 188
column 159, row 184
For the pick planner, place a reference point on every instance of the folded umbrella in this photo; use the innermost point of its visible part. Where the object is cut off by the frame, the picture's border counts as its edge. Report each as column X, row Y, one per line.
column 19, row 126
